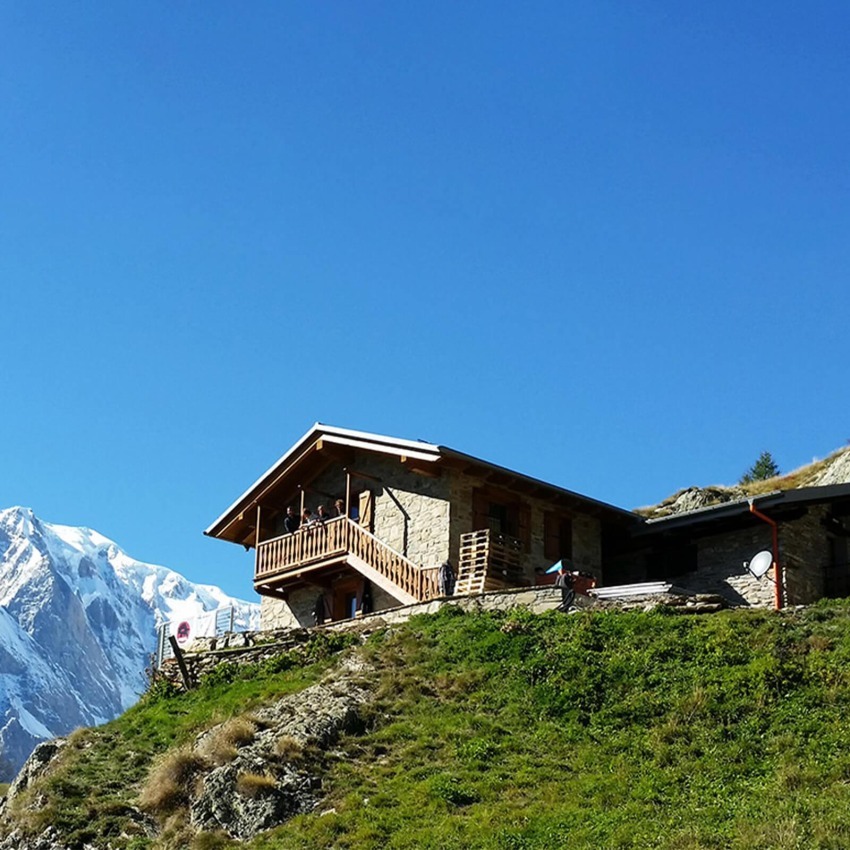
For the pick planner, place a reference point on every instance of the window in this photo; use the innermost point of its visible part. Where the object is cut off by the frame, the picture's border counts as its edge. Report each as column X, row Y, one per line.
column 557, row 536
column 501, row 512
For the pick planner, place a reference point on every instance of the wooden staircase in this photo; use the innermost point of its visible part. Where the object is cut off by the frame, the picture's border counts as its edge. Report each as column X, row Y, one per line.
column 336, row 541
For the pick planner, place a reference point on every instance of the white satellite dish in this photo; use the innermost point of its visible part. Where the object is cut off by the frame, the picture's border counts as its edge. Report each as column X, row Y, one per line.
column 761, row 563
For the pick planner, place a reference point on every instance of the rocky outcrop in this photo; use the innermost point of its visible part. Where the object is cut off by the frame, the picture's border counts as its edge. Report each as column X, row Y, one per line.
column 269, row 779
column 835, row 471
column 35, row 766
column 48, row 840
column 271, row 775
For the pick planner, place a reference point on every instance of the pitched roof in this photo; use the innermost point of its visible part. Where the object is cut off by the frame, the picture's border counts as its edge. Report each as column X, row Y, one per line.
column 412, row 450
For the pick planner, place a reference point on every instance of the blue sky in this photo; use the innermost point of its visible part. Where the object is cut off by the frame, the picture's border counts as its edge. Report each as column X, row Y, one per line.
column 602, row 243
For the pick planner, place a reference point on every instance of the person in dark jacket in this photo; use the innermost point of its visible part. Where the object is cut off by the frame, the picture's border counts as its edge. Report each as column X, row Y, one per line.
column 291, row 521
column 446, row 579
column 565, row 582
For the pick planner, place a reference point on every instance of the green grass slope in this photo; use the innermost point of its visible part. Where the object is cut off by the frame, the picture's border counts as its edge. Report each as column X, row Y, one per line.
column 593, row 730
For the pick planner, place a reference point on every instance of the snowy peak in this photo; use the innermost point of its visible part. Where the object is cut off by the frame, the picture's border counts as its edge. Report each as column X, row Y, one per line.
column 78, row 620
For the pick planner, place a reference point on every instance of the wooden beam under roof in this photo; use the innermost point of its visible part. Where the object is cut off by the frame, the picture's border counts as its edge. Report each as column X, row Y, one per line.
column 429, row 471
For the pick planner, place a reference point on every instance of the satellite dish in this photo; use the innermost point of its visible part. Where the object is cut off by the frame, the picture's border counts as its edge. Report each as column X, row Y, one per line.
column 760, row 563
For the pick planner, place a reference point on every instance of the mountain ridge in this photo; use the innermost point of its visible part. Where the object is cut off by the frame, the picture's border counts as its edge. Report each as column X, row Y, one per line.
column 78, row 620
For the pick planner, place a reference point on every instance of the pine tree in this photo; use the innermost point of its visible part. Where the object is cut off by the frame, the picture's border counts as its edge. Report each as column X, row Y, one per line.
column 765, row 467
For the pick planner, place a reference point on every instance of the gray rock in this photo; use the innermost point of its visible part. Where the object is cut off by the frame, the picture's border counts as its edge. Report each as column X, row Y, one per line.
column 35, row 766
column 314, row 718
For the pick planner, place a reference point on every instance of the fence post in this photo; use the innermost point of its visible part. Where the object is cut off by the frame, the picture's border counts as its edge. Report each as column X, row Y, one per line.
column 181, row 663
column 160, row 641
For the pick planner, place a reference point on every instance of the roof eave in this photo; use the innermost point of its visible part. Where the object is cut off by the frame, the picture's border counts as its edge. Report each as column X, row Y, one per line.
column 413, row 449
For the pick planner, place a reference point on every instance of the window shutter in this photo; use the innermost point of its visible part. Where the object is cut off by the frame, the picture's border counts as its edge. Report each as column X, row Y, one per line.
column 524, row 521
column 480, row 510
column 367, row 510
column 557, row 536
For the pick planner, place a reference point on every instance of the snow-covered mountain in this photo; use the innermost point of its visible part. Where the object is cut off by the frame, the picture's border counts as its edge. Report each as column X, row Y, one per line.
column 78, row 621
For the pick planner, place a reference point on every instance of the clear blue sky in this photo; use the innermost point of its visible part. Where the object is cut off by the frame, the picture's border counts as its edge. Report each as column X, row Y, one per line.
column 603, row 243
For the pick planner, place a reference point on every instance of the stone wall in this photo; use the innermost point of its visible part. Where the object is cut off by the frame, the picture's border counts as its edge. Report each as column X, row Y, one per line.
column 803, row 553
column 720, row 567
column 253, row 647
column 587, row 533
column 411, row 511
column 806, row 554
column 297, row 611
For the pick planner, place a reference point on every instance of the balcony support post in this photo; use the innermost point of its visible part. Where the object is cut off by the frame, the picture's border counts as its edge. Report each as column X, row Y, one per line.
column 257, row 543
column 347, row 493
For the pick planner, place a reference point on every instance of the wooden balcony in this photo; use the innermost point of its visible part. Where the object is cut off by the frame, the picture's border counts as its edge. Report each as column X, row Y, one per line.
column 341, row 541
column 489, row 561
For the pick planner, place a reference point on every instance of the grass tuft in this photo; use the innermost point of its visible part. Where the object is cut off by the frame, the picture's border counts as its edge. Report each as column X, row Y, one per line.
column 171, row 780
column 288, row 748
column 222, row 743
column 254, row 784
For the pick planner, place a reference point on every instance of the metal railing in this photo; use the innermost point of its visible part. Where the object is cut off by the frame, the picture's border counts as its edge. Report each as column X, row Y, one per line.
column 224, row 621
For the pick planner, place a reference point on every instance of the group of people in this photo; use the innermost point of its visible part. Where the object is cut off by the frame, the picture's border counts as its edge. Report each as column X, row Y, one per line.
column 292, row 522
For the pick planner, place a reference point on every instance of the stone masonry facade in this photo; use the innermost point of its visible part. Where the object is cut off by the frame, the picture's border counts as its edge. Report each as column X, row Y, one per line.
column 297, row 610
column 422, row 517
column 803, row 553
column 411, row 511
column 586, row 530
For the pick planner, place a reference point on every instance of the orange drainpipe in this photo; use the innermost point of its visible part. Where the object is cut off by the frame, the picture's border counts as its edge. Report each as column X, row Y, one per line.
column 777, row 575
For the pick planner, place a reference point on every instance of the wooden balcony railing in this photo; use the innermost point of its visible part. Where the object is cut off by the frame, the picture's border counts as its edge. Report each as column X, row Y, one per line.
column 489, row 561
column 334, row 540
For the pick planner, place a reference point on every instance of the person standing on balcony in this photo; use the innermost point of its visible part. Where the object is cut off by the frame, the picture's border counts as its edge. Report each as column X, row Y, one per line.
column 291, row 521
column 323, row 514
column 339, row 507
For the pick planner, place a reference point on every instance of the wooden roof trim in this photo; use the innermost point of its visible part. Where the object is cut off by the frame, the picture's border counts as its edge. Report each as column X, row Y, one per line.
column 473, row 465
column 415, row 449
column 365, row 436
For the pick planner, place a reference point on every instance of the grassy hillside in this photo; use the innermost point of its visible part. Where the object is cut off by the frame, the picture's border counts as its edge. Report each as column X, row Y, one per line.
column 594, row 730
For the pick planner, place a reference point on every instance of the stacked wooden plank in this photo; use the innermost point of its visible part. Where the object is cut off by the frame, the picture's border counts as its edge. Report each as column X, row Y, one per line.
column 489, row 561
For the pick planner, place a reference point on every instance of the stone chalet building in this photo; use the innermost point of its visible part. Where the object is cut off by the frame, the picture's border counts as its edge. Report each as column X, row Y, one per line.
column 405, row 507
